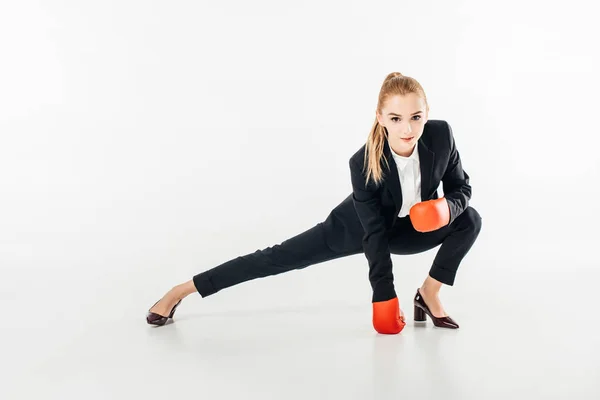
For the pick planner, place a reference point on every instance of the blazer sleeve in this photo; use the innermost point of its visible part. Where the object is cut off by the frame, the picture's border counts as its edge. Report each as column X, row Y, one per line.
column 367, row 203
column 457, row 189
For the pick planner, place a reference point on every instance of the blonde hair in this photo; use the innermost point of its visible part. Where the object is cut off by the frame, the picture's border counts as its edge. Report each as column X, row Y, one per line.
column 394, row 84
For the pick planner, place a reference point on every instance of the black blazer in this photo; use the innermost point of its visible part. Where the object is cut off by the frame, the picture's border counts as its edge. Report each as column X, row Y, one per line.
column 377, row 207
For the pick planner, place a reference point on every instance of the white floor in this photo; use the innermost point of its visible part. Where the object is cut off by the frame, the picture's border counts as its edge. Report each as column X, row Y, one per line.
column 527, row 332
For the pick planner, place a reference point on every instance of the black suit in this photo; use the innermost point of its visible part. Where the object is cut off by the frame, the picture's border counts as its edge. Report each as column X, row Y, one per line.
column 366, row 221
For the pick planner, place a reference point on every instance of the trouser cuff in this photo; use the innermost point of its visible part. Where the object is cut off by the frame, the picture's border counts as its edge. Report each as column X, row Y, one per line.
column 443, row 275
column 203, row 285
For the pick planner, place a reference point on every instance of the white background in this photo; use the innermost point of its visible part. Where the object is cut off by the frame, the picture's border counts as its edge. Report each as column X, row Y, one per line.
column 142, row 142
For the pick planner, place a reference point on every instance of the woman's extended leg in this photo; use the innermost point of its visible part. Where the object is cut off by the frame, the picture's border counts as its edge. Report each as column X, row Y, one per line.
column 307, row 248
column 310, row 247
column 456, row 240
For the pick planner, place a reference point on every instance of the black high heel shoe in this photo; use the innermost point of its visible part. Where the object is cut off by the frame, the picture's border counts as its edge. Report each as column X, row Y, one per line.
column 157, row 319
column 421, row 310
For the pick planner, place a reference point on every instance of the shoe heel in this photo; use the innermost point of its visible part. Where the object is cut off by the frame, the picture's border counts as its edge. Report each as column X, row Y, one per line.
column 420, row 315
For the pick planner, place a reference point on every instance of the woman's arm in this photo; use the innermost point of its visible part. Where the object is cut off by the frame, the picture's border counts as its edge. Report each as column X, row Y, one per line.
column 430, row 215
column 457, row 189
column 367, row 204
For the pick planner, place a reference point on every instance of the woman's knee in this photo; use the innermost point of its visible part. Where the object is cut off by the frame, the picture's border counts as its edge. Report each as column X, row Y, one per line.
column 472, row 218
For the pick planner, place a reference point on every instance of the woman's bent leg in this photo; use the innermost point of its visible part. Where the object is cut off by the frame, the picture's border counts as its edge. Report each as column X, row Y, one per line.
column 307, row 248
column 456, row 240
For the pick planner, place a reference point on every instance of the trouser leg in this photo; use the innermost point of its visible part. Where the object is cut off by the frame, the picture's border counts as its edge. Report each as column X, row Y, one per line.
column 456, row 240
column 307, row 248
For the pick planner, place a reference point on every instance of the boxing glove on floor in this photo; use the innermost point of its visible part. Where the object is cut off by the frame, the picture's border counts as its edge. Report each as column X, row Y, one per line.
column 430, row 215
column 387, row 318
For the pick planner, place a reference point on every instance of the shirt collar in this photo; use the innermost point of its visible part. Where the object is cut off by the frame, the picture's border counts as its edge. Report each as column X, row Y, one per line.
column 413, row 156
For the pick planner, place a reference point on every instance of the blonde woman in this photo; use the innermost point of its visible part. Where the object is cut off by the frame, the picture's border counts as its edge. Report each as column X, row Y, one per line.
column 394, row 208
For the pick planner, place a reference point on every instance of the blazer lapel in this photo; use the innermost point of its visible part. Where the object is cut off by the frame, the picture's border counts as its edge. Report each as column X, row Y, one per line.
column 394, row 178
column 426, row 160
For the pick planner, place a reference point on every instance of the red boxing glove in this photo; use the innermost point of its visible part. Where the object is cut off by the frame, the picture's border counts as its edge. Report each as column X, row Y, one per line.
column 387, row 318
column 430, row 215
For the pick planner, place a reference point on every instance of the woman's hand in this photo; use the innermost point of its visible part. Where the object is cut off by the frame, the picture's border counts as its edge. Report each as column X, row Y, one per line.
column 430, row 215
column 387, row 317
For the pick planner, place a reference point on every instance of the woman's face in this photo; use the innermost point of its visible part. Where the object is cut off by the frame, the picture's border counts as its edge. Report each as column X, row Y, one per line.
column 405, row 118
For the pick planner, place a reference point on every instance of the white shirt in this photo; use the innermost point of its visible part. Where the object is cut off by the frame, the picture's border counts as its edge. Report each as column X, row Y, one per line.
column 409, row 172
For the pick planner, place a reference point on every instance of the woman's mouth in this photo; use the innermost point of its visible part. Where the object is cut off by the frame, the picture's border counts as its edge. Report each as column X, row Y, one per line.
column 408, row 139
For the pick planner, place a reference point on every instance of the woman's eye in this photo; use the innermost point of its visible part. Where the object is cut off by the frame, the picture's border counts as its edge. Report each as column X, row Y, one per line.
column 396, row 118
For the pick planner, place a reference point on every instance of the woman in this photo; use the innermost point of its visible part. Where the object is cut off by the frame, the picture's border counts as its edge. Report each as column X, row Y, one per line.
column 394, row 208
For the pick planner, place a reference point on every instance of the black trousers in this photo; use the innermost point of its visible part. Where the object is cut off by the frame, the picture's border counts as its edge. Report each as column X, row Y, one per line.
column 322, row 243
